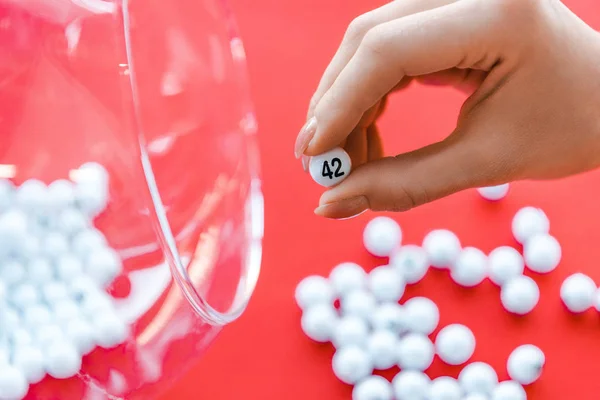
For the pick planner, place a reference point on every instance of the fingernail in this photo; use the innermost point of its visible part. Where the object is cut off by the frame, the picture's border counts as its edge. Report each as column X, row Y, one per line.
column 305, row 162
column 304, row 137
column 343, row 208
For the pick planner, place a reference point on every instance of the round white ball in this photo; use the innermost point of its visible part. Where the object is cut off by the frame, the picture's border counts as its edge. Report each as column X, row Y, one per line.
column 7, row 194
column 71, row 221
column 411, row 261
column 40, row 271
column 31, row 196
column 86, row 241
column 360, row 303
column 471, row 267
column 54, row 292
column 347, row 277
column 445, row 388
column 50, row 334
column 386, row 284
column 13, row 383
column 597, row 300
column 60, row 195
column 30, row 360
column 110, row 331
column 381, row 346
column 330, row 168
column 68, row 267
column 24, row 295
column 505, row 263
column 494, row 193
column 578, row 292
column 520, row 295
column 542, row 253
column 455, row 344
column 373, row 388
column 381, row 236
column 509, row 390
column 411, row 385
column 389, row 317
column 12, row 272
column 528, row 222
column 37, row 316
column 65, row 310
column 351, row 364
column 478, row 377
column 81, row 334
column 476, row 396
column 525, row 364
column 54, row 245
column 442, row 248
column 313, row 290
column 318, row 322
column 103, row 266
column 415, row 352
column 62, row 360
column 422, row 315
column 350, row 330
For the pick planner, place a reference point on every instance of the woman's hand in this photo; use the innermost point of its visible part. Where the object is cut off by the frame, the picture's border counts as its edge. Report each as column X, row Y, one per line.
column 531, row 67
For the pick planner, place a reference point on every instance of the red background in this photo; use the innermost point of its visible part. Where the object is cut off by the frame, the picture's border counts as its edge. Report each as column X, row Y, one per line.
column 264, row 355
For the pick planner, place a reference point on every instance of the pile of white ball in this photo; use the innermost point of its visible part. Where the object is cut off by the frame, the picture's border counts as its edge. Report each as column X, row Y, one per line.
column 54, row 269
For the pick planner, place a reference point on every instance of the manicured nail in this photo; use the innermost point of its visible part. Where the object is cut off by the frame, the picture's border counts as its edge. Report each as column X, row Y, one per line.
column 343, row 209
column 305, row 162
column 305, row 136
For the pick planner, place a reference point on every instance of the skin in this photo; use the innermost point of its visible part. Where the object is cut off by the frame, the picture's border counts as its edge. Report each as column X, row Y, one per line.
column 531, row 69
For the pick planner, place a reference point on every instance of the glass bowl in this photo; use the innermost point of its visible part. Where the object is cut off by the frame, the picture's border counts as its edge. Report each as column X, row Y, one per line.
column 131, row 213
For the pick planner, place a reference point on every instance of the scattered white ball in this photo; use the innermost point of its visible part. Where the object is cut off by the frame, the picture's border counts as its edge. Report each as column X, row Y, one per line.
column 411, row 385
column 597, row 300
column 542, row 253
column 350, row 330
column 37, row 316
column 445, row 388
column 54, row 245
column 81, row 334
column 91, row 174
column 91, row 200
column 471, row 267
column 86, row 241
column 478, row 377
column 381, row 346
column 351, row 364
column 505, row 263
column 54, row 291
column 31, row 196
column 509, row 390
column 318, row 322
column 494, row 193
column 30, row 360
column 71, row 221
column 313, row 290
column 578, row 292
column 373, row 388
column 13, row 383
column 12, row 272
column 68, row 267
column 7, row 194
column 411, row 261
column 39, row 271
column 525, row 364
column 61, row 194
column 13, row 227
column 360, row 303
column 330, row 168
column 389, row 317
column 455, row 344
column 62, row 360
column 476, row 396
column 415, row 352
column 528, row 222
column 110, row 331
column 50, row 334
column 65, row 310
column 381, row 236
column 104, row 265
column 24, row 295
column 422, row 315
column 96, row 303
column 520, row 295
column 386, row 284
column 20, row 336
column 347, row 277
column 442, row 248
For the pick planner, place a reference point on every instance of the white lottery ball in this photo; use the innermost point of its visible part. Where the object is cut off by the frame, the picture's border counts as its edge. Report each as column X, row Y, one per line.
column 81, row 334
column 37, row 316
column 494, row 193
column 422, row 315
column 91, row 173
column 313, row 290
column 61, row 194
column 381, row 346
column 445, row 388
column 318, row 322
column 21, row 337
column 91, row 200
column 46, row 336
column 597, row 300
column 110, row 330
column 24, row 295
column 103, row 266
column 10, row 319
column 13, row 227
column 471, row 267
column 505, row 263
column 381, row 236
column 30, row 360
column 31, row 196
column 62, row 360
column 442, row 248
column 528, row 222
column 389, row 317
column 476, row 396
column 346, row 277
column 86, row 241
column 54, row 291
column 542, row 253
column 330, row 168
column 415, row 352
column 71, row 221
column 350, row 330
column 351, row 364
column 578, row 292
column 7, row 193
column 520, row 295
column 65, row 310
column 39, row 271
column 478, row 377
column 360, row 303
column 411, row 385
column 373, row 388
column 509, row 390
column 12, row 272
column 411, row 261
column 13, row 383
column 455, row 344
column 386, row 284
column 525, row 364
column 68, row 267
column 54, row 245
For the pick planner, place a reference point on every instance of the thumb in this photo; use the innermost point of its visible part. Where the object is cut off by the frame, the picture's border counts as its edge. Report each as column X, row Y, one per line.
column 408, row 180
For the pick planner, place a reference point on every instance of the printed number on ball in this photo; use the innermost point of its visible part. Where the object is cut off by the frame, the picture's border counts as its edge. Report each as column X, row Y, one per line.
column 329, row 169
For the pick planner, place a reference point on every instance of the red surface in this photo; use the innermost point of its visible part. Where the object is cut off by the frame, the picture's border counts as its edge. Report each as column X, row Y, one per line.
column 264, row 355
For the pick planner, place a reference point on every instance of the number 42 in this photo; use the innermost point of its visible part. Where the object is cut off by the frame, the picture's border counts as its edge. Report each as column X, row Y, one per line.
column 336, row 163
